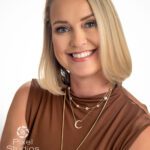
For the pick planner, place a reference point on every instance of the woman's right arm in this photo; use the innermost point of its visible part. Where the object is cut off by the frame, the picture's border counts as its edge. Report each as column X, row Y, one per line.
column 11, row 139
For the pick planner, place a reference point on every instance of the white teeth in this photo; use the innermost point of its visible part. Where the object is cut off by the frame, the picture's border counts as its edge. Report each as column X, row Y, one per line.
column 82, row 54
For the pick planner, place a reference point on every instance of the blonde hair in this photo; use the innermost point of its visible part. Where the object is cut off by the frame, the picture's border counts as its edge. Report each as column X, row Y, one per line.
column 114, row 54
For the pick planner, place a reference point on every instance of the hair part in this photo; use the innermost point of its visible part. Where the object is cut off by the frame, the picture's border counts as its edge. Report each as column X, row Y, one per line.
column 114, row 54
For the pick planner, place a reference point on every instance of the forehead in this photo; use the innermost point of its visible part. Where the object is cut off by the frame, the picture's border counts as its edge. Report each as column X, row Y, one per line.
column 69, row 9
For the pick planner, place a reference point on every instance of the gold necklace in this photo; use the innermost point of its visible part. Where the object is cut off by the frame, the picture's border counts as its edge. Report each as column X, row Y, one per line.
column 76, row 121
column 84, row 139
column 86, row 107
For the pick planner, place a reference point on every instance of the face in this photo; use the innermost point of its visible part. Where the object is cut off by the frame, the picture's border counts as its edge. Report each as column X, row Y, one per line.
column 75, row 37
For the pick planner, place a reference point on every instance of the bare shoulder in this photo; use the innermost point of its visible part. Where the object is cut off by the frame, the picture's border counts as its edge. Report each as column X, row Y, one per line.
column 143, row 141
column 16, row 115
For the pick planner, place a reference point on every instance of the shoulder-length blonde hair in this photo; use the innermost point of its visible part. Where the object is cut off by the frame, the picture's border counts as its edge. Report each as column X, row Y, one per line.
column 114, row 54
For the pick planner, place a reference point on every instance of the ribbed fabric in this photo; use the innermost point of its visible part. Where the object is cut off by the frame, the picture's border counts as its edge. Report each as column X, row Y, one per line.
column 123, row 119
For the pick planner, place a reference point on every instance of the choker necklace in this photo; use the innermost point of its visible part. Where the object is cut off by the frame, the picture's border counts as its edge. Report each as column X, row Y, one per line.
column 92, row 127
column 77, row 121
column 86, row 107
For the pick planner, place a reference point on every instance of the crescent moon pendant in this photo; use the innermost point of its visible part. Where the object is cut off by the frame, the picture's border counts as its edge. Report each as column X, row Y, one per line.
column 76, row 124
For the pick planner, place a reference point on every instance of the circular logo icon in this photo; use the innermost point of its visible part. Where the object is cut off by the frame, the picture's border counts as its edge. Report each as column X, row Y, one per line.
column 22, row 132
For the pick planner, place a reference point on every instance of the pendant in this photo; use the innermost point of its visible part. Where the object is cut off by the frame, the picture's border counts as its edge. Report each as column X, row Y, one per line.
column 76, row 124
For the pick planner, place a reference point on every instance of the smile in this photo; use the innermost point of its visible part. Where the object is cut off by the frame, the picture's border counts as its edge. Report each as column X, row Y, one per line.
column 83, row 54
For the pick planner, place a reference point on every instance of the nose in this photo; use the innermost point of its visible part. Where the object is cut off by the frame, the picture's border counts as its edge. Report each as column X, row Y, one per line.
column 78, row 39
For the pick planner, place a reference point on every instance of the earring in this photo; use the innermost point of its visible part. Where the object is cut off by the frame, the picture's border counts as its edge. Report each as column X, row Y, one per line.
column 68, row 71
column 65, row 74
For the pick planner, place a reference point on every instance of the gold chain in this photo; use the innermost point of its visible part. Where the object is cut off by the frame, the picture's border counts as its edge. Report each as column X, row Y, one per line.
column 76, row 121
column 86, row 107
column 62, row 136
column 63, row 119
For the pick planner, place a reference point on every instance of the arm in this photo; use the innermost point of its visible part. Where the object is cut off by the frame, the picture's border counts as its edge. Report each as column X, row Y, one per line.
column 15, row 119
column 143, row 141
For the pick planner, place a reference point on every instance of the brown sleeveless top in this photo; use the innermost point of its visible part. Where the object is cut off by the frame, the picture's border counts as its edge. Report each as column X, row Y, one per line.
column 123, row 119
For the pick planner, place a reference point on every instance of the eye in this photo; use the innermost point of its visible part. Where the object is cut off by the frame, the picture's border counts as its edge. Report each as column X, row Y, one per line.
column 62, row 29
column 91, row 24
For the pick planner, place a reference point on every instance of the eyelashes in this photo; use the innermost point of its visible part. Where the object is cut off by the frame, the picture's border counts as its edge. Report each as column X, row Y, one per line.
column 64, row 29
column 91, row 24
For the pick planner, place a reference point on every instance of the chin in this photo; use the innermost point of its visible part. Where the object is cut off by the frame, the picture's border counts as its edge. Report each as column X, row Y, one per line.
column 86, row 73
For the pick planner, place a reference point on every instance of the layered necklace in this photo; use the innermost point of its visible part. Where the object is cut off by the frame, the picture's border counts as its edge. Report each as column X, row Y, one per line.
column 86, row 108
column 89, row 109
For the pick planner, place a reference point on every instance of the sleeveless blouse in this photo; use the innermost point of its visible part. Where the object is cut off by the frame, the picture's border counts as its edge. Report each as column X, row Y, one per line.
column 121, row 122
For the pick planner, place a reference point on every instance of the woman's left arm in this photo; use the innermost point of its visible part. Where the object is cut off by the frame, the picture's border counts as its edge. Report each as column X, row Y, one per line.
column 143, row 141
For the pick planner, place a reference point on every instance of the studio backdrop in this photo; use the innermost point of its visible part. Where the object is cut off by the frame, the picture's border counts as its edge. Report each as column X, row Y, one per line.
column 21, row 31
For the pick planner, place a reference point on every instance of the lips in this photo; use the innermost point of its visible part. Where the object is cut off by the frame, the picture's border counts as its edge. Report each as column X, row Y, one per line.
column 83, row 54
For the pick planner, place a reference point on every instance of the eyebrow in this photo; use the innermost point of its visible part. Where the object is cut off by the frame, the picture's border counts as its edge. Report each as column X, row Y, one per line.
column 65, row 22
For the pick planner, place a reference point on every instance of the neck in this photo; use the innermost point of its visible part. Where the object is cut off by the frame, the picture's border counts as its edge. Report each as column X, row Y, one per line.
column 89, row 86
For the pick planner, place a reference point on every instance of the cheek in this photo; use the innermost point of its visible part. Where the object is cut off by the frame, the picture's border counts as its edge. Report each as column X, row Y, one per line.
column 93, row 37
column 60, row 46
column 56, row 44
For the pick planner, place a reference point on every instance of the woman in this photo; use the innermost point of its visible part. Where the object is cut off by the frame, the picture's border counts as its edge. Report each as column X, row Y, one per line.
column 78, row 102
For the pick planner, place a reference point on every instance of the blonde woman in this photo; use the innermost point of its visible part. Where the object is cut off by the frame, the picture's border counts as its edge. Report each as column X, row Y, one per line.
column 78, row 102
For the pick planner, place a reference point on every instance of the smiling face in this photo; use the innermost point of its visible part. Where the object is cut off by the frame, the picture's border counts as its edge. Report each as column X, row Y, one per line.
column 75, row 36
